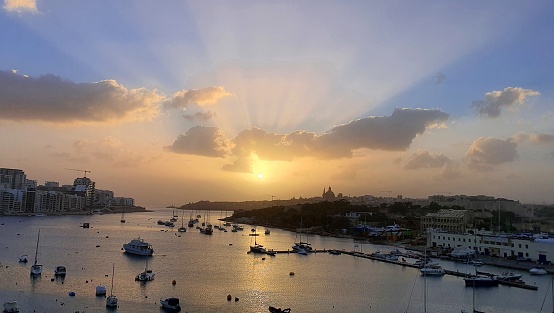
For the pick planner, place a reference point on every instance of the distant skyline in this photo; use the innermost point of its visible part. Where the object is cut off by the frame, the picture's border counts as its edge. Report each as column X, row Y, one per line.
column 245, row 100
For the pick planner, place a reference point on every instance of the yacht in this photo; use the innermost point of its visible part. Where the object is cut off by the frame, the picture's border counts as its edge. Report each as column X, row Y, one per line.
column 36, row 269
column 537, row 270
column 60, row 271
column 509, row 276
column 23, row 258
column 11, row 307
column 147, row 275
column 432, row 270
column 138, row 246
column 111, row 301
column 481, row 281
column 171, row 304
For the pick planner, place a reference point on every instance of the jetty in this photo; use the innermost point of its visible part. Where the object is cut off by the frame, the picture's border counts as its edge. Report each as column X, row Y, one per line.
column 402, row 262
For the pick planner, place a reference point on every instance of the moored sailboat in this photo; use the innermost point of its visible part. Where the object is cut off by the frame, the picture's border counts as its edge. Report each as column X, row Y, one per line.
column 147, row 275
column 111, row 301
column 36, row 269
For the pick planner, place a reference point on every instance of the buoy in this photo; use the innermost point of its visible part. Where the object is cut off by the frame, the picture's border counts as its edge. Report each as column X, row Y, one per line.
column 291, row 273
column 174, row 282
column 236, row 299
column 228, row 297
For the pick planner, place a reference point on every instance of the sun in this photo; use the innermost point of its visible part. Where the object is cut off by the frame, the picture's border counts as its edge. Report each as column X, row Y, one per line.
column 260, row 176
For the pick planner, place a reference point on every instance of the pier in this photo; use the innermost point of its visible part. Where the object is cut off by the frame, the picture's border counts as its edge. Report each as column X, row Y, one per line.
column 518, row 284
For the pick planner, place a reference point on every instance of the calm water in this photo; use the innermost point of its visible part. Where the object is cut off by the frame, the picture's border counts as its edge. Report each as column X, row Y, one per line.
column 208, row 268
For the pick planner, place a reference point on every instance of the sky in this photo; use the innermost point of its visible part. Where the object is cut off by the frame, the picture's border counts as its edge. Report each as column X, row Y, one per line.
column 180, row 101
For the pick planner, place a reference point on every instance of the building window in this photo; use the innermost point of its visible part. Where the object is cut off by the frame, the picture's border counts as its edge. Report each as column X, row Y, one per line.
column 526, row 247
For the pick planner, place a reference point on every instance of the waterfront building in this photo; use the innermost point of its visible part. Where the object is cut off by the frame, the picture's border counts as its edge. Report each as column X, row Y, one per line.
column 12, row 178
column 448, row 220
column 537, row 248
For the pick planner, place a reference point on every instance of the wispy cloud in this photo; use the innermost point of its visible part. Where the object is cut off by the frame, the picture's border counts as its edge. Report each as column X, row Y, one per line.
column 424, row 159
column 206, row 96
column 495, row 101
column 21, row 6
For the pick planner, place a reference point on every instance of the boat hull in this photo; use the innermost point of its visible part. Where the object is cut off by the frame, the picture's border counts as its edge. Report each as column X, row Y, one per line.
column 470, row 282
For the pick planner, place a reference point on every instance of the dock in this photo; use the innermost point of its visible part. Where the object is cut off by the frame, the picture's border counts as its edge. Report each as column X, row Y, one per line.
column 518, row 284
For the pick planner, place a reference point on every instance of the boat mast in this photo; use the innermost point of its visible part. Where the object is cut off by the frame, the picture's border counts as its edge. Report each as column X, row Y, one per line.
column 36, row 250
column 113, row 272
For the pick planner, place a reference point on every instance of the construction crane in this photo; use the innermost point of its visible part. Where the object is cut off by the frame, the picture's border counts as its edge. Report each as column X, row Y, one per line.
column 77, row 170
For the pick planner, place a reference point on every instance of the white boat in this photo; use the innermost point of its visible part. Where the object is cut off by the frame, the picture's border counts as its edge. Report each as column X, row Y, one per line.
column 60, row 271
column 508, row 276
column 425, row 262
column 432, row 271
column 36, row 269
column 476, row 262
column 300, row 245
column 138, row 246
column 538, row 270
column 111, row 301
column 100, row 290
column 24, row 258
column 11, row 307
column 171, row 304
column 147, row 275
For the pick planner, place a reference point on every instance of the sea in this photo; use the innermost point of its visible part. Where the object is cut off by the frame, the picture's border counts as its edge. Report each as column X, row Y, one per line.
column 208, row 268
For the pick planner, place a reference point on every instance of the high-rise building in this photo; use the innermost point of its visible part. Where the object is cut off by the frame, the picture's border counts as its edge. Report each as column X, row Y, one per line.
column 12, row 178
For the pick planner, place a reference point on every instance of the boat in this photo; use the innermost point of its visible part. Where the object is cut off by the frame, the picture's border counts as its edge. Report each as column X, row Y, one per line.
column 426, row 262
column 182, row 229
column 481, row 281
column 36, row 269
column 538, row 270
column 100, row 290
column 208, row 230
column 271, row 252
column 432, row 270
column 335, row 252
column 138, row 246
column 111, row 301
column 11, row 307
column 257, row 248
column 147, row 275
column 267, row 231
column 171, row 304
column 300, row 246
column 23, row 258
column 476, row 262
column 278, row 310
column 122, row 217
column 60, row 271
column 191, row 221
column 508, row 276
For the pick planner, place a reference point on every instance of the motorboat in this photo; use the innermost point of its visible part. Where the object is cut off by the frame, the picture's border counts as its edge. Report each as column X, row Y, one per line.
column 60, row 271
column 481, row 281
column 208, row 230
column 171, row 304
column 24, row 258
column 538, row 270
column 100, row 290
column 257, row 248
column 278, row 310
column 335, row 252
column 267, row 231
column 432, row 270
column 11, row 307
column 138, row 246
column 425, row 262
column 508, row 276
column 476, row 262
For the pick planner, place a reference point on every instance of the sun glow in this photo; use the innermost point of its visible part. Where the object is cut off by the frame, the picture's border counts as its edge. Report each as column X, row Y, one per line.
column 260, row 176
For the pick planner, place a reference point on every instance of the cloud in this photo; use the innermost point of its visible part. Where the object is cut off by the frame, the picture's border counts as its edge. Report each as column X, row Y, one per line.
column 485, row 153
column 378, row 133
column 539, row 139
column 203, row 141
column 199, row 116
column 424, row 159
column 21, row 6
column 206, row 96
column 51, row 99
column 495, row 101
column 440, row 78
column 110, row 150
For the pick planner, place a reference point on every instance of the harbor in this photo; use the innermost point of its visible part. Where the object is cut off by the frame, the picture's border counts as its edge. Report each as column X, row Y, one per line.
column 206, row 269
